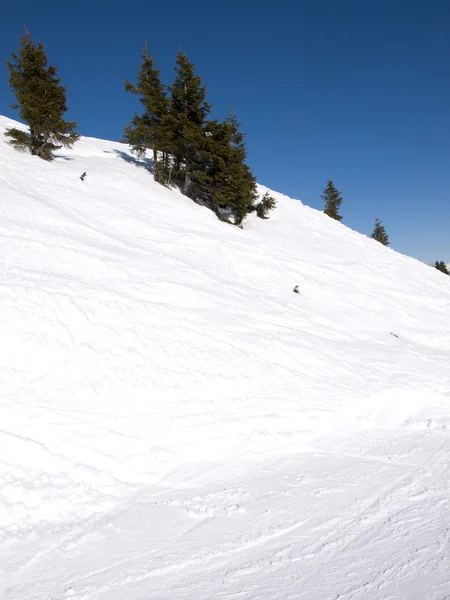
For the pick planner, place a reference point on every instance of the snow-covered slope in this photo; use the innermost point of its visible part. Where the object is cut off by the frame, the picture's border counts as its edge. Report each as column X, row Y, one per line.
column 176, row 423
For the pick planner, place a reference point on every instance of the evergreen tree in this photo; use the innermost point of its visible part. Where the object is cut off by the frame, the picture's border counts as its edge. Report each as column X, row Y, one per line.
column 212, row 158
column 41, row 102
column 441, row 266
column 265, row 206
column 379, row 233
column 241, row 183
column 187, row 120
column 206, row 158
column 226, row 178
column 333, row 201
column 151, row 129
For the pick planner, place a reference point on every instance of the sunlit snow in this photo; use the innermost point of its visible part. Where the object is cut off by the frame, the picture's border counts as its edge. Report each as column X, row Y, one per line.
column 176, row 423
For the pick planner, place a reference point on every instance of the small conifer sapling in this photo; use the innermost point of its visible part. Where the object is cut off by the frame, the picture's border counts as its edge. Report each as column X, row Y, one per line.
column 379, row 233
column 333, row 201
column 266, row 205
column 441, row 266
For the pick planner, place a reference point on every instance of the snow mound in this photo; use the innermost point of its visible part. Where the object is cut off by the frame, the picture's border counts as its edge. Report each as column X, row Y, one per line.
column 162, row 385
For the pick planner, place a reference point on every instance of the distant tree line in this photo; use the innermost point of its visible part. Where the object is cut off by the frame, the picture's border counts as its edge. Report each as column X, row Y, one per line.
column 333, row 200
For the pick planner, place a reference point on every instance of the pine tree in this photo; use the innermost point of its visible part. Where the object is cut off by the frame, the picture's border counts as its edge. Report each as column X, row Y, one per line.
column 227, row 179
column 41, row 102
column 441, row 266
column 241, row 181
column 379, row 233
column 212, row 158
column 151, row 129
column 333, row 201
column 187, row 119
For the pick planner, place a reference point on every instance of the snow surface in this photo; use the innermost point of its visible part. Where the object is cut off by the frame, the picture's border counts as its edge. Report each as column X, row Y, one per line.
column 176, row 423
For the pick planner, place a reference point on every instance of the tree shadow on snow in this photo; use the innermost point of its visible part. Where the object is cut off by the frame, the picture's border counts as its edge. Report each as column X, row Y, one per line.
column 146, row 163
column 59, row 157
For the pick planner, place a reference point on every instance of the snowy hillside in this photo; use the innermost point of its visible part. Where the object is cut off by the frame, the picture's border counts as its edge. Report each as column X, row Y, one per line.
column 176, row 423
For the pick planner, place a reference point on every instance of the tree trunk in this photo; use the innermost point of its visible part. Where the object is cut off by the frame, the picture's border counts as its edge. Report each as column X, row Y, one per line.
column 187, row 183
column 155, row 166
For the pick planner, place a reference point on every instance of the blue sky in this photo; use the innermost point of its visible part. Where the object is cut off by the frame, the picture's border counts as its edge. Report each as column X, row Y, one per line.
column 353, row 90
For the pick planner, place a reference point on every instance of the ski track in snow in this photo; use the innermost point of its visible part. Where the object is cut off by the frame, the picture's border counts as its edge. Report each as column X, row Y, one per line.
column 176, row 423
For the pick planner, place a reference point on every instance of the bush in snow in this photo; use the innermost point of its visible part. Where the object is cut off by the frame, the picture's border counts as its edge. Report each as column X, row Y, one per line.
column 441, row 266
column 266, row 204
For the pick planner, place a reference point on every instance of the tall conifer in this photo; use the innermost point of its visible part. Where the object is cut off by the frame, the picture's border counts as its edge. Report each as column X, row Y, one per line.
column 150, row 129
column 188, row 113
column 225, row 177
column 41, row 102
column 242, row 181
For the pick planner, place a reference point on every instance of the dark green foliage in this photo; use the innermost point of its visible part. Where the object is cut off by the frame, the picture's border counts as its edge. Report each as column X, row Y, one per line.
column 205, row 158
column 333, row 201
column 221, row 180
column 379, row 233
column 207, row 177
column 441, row 266
column 232, row 184
column 41, row 102
column 187, row 121
column 151, row 129
column 266, row 204
column 209, row 157
column 19, row 139
column 242, row 181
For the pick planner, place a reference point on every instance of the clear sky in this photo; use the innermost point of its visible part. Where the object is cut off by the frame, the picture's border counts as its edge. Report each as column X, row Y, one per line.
column 353, row 90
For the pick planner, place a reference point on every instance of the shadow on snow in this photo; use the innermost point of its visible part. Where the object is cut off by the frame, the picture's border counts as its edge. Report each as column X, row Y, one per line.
column 146, row 163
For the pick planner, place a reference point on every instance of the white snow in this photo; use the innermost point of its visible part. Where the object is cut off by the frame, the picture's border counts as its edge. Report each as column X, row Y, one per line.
column 176, row 423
